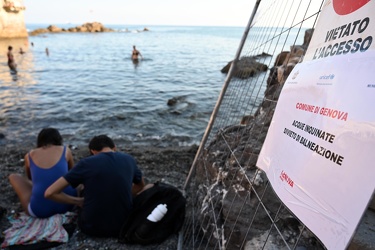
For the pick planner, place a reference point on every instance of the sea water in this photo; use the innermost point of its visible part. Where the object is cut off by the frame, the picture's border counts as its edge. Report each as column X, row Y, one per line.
column 88, row 85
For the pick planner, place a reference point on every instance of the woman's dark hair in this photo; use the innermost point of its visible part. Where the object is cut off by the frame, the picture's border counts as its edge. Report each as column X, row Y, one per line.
column 10, row 47
column 99, row 142
column 49, row 136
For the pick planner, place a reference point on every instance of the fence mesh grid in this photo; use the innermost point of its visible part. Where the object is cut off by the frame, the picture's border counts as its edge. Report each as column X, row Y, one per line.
column 231, row 205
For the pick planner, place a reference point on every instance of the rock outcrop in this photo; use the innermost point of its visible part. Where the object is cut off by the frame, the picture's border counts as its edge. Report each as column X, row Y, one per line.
column 86, row 27
column 12, row 23
column 246, row 67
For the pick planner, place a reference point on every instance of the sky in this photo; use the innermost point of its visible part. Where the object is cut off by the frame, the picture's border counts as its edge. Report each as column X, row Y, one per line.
column 140, row 12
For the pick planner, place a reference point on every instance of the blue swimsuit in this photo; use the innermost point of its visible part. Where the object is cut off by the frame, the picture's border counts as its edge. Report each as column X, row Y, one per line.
column 42, row 179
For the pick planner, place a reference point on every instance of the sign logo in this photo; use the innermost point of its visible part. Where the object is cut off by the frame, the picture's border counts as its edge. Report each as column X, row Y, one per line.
column 345, row 7
column 295, row 75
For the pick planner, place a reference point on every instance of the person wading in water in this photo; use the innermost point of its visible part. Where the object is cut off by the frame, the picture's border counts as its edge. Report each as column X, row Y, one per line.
column 135, row 54
column 11, row 63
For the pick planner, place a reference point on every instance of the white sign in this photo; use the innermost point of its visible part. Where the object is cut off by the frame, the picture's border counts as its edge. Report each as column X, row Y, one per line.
column 319, row 151
column 345, row 27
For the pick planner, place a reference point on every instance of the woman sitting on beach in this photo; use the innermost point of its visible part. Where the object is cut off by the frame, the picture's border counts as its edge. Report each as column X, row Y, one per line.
column 43, row 166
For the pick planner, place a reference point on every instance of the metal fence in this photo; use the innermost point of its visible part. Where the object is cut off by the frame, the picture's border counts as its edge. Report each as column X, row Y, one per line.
column 231, row 203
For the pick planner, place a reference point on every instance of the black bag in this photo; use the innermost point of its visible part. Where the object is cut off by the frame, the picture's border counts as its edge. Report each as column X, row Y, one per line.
column 137, row 229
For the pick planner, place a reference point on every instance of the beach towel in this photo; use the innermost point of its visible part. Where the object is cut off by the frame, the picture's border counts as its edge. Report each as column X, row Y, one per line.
column 29, row 232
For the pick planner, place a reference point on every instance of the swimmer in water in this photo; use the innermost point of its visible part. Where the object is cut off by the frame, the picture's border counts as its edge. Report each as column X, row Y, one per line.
column 11, row 63
column 136, row 53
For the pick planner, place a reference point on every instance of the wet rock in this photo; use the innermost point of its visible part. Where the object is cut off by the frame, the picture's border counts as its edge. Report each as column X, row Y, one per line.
column 172, row 101
column 245, row 67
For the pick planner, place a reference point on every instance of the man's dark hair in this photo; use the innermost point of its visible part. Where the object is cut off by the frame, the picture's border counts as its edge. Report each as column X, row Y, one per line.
column 49, row 136
column 99, row 142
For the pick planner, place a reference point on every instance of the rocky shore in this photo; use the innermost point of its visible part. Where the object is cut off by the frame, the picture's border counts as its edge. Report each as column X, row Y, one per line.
column 169, row 165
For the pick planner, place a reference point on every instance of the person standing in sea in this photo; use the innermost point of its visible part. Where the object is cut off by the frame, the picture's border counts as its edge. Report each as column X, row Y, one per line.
column 135, row 54
column 11, row 63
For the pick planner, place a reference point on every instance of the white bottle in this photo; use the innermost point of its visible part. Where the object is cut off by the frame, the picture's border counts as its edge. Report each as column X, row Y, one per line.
column 158, row 213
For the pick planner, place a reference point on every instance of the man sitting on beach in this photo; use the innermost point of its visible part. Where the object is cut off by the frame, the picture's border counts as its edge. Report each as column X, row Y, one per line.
column 110, row 180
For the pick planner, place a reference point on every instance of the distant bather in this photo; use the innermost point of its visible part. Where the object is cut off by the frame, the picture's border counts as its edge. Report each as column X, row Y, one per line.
column 11, row 63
